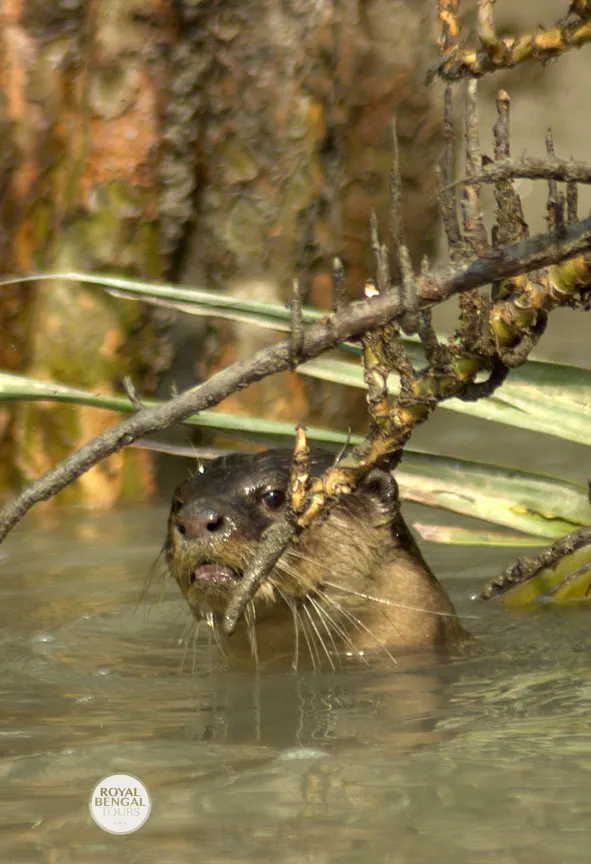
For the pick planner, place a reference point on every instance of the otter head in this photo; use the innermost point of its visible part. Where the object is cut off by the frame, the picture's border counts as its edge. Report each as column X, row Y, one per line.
column 355, row 575
column 217, row 518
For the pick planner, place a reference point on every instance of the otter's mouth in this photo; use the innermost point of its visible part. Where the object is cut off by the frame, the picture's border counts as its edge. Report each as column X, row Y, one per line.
column 214, row 574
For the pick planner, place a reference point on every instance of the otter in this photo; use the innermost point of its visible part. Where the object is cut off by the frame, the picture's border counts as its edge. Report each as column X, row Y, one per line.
column 355, row 583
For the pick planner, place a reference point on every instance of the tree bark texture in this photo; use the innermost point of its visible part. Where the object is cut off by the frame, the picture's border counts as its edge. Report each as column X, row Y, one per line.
column 289, row 130
column 231, row 143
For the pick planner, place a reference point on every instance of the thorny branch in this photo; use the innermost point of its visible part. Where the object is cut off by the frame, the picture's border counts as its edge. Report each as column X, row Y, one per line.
column 493, row 52
column 540, row 251
column 474, row 238
column 496, row 332
column 445, row 174
column 531, row 168
column 528, row 566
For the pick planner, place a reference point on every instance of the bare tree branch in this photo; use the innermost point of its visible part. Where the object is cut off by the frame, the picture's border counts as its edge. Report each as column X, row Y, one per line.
column 297, row 324
column 339, row 289
column 493, row 53
column 350, row 322
column 531, row 168
column 528, row 566
column 486, row 23
column 474, row 235
column 448, row 205
column 510, row 225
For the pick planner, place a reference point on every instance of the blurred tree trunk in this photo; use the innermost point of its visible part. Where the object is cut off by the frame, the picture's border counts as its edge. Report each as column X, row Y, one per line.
column 292, row 148
column 228, row 143
column 80, row 192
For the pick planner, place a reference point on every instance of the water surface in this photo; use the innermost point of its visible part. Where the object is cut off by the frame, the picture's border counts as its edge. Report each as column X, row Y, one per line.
column 484, row 757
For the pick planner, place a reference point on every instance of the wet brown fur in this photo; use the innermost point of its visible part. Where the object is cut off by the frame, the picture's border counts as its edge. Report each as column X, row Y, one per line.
column 356, row 583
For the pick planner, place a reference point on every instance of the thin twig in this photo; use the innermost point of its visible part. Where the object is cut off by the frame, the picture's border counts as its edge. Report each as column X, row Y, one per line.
column 333, row 154
column 299, row 477
column 555, row 206
column 529, row 566
column 511, row 225
column 503, row 262
column 572, row 202
column 552, row 217
column 339, row 292
column 410, row 321
column 132, row 393
column 297, row 326
column 274, row 542
column 486, row 23
column 447, row 196
column 396, row 225
column 277, row 538
column 380, row 251
column 375, row 372
column 530, row 168
column 474, row 232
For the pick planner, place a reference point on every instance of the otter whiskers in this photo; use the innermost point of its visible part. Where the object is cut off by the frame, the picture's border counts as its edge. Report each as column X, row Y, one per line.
column 319, row 637
column 325, row 616
column 292, row 606
column 250, row 616
column 304, row 602
column 392, row 603
column 356, row 622
column 326, row 622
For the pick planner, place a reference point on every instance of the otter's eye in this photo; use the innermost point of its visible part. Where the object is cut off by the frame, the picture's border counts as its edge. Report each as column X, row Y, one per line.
column 273, row 499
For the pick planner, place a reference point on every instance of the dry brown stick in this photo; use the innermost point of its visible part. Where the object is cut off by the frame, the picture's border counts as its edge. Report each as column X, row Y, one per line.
column 448, row 206
column 333, row 156
column 529, row 565
column 339, row 290
column 299, row 475
column 278, row 536
column 396, row 225
column 555, row 203
column 473, row 233
column 531, row 168
column 511, row 225
column 572, row 202
column 551, row 203
column 274, row 542
column 473, row 222
column 297, row 326
column 132, row 393
column 405, row 272
column 380, row 251
column 375, row 372
column 504, row 262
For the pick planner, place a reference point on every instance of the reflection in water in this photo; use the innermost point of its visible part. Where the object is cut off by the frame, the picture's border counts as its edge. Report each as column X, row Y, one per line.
column 480, row 758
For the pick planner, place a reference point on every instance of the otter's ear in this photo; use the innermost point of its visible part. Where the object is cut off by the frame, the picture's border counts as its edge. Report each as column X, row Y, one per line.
column 381, row 484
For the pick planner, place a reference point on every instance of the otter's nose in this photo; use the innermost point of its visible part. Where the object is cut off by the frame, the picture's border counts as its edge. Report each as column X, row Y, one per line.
column 196, row 523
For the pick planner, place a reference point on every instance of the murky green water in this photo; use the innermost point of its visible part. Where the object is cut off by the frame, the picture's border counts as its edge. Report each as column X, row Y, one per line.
column 486, row 758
